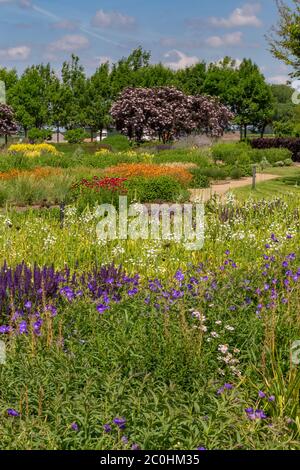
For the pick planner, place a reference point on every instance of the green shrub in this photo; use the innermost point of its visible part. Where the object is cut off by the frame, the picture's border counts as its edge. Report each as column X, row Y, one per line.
column 288, row 162
column 230, row 153
column 236, row 173
column 272, row 155
column 117, row 142
column 75, row 136
column 279, row 164
column 216, row 173
column 283, row 128
column 199, row 179
column 39, row 135
column 159, row 189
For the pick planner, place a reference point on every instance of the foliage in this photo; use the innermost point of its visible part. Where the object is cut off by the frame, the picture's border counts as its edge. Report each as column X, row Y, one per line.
column 118, row 142
column 33, row 150
column 148, row 170
column 8, row 125
column 39, row 135
column 283, row 128
column 195, row 347
column 156, row 189
column 229, row 152
column 292, row 144
column 284, row 38
column 167, row 113
column 75, row 136
column 199, row 179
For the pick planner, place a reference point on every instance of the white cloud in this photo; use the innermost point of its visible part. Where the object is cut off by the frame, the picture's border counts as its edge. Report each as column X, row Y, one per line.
column 65, row 24
column 180, row 60
column 168, row 41
column 69, row 43
column 15, row 53
column 279, row 79
column 232, row 39
column 244, row 16
column 113, row 19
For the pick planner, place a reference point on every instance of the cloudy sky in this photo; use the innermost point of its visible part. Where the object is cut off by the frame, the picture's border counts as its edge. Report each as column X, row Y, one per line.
column 179, row 33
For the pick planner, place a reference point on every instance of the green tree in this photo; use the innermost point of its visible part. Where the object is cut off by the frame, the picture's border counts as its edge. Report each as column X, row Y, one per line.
column 31, row 97
column 128, row 71
column 284, row 108
column 222, row 80
column 284, row 39
column 98, row 100
column 72, row 95
column 254, row 100
column 191, row 79
column 10, row 78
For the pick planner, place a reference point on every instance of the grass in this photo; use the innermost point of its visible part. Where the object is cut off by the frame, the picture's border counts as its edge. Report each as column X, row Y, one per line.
column 157, row 368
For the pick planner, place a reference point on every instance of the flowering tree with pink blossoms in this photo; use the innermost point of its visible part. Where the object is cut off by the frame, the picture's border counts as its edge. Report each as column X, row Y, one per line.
column 8, row 125
column 168, row 113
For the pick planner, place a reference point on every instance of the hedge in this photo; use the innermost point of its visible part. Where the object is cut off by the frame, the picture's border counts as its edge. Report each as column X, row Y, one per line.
column 292, row 144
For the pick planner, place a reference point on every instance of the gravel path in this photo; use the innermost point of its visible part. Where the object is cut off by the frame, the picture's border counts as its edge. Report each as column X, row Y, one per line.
column 222, row 188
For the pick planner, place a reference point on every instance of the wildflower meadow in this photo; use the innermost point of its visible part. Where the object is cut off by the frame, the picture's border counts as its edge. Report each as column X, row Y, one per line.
column 149, row 231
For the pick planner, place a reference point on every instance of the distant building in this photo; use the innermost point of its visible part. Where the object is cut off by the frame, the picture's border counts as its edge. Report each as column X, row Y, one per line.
column 57, row 138
column 104, row 135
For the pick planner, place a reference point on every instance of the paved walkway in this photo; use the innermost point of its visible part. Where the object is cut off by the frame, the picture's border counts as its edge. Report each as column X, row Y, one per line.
column 222, row 188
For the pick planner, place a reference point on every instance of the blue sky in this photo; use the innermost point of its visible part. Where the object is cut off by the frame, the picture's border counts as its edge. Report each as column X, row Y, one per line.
column 179, row 33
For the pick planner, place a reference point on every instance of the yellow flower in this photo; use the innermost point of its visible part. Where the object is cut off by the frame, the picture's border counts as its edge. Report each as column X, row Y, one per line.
column 102, row 152
column 33, row 150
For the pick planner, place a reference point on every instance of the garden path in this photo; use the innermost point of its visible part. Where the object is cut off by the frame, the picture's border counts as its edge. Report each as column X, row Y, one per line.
column 221, row 189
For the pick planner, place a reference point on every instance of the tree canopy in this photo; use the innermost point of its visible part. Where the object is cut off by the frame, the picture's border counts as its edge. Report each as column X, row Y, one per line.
column 42, row 97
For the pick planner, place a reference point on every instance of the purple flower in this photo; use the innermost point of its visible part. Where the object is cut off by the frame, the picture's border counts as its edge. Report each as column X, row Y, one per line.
column 271, row 398
column 120, row 422
column 4, row 329
column 28, row 305
column 135, row 447
column 74, row 426
column 107, row 428
column 201, row 448
column 124, row 439
column 255, row 414
column 228, row 386
column 13, row 412
column 101, row 308
column 179, row 276
column 261, row 394
column 132, row 292
column 23, row 327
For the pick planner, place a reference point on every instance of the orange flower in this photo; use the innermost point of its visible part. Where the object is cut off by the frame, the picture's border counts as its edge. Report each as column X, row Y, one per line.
column 147, row 170
column 37, row 173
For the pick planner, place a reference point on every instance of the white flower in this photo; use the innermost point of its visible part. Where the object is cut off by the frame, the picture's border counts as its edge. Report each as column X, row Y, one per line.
column 229, row 328
column 214, row 334
column 223, row 348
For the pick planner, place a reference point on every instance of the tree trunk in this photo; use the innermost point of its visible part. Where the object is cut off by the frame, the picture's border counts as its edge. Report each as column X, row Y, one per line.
column 25, row 132
column 6, row 140
column 263, row 130
column 241, row 132
column 92, row 135
column 57, row 134
column 245, row 130
column 101, row 134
